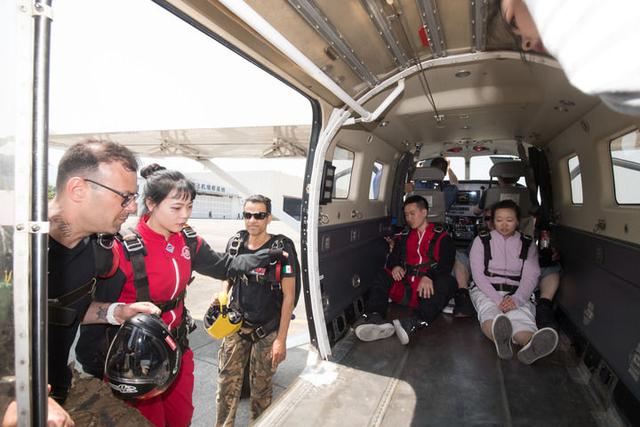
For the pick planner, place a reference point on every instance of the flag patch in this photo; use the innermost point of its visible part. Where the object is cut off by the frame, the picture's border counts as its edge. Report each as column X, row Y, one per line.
column 287, row 269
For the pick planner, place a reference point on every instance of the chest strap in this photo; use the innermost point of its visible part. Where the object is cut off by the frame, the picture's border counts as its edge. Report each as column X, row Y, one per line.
column 415, row 269
column 485, row 237
column 135, row 251
column 504, row 287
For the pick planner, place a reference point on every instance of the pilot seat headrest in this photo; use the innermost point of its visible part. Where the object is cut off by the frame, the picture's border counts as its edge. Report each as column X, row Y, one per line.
column 509, row 169
column 428, row 174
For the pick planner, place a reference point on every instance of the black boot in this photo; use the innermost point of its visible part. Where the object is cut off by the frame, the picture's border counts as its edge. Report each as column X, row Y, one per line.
column 463, row 307
column 544, row 314
column 372, row 327
column 405, row 328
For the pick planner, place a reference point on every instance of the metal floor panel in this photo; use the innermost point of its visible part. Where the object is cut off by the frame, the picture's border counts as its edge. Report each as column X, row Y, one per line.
column 449, row 375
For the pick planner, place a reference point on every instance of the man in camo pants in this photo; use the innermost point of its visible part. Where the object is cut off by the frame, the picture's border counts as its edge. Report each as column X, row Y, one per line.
column 266, row 302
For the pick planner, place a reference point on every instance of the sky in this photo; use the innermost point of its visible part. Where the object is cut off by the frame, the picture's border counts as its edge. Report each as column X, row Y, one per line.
column 121, row 65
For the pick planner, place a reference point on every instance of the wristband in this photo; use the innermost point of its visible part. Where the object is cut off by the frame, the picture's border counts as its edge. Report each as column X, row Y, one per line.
column 110, row 317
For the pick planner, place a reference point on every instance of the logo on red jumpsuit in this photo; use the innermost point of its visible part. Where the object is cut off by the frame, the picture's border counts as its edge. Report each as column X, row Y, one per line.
column 186, row 253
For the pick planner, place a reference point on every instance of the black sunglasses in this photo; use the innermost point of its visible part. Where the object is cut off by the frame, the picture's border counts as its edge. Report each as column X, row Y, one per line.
column 257, row 215
column 127, row 198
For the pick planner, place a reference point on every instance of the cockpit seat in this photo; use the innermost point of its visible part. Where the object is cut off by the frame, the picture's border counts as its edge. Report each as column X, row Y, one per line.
column 432, row 177
column 520, row 195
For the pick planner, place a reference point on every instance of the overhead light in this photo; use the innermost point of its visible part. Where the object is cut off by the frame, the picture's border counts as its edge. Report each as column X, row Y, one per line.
column 455, row 150
column 478, row 148
column 384, row 123
column 465, row 127
column 461, row 74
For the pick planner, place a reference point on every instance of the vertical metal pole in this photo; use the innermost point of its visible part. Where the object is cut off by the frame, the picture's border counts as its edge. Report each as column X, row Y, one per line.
column 40, row 141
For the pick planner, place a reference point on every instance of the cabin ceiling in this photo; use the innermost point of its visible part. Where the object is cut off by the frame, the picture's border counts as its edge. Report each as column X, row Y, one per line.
column 364, row 45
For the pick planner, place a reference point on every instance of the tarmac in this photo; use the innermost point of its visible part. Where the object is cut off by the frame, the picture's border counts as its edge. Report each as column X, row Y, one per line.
column 200, row 294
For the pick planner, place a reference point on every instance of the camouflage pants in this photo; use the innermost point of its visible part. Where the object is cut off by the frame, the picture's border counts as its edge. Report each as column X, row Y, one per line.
column 232, row 358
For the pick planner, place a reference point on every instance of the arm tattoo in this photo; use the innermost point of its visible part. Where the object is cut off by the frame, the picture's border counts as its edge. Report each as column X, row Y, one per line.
column 101, row 314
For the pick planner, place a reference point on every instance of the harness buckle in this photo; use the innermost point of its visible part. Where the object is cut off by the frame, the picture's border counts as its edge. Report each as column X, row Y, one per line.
column 259, row 332
column 133, row 243
column 278, row 244
column 106, row 240
column 234, row 247
column 189, row 232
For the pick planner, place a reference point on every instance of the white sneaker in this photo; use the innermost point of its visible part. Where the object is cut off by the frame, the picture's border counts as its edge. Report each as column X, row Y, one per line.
column 501, row 330
column 373, row 327
column 450, row 306
column 372, row 332
column 542, row 344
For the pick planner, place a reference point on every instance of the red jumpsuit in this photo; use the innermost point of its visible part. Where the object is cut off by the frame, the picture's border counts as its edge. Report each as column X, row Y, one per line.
column 417, row 252
column 168, row 266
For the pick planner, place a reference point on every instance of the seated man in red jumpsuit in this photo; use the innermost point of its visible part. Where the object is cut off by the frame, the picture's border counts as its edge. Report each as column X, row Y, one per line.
column 418, row 275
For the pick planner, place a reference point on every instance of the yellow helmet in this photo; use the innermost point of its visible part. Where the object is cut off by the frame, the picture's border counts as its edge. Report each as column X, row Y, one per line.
column 220, row 320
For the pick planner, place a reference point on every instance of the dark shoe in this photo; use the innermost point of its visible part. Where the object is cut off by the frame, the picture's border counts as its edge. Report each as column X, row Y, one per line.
column 463, row 306
column 372, row 327
column 542, row 344
column 406, row 327
column 448, row 309
column 501, row 330
column 545, row 317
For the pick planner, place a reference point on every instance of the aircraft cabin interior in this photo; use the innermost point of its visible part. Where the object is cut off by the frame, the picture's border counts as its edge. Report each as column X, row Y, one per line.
column 404, row 82
column 394, row 84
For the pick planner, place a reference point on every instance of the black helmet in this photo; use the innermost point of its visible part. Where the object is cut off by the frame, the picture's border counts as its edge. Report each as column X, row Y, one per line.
column 143, row 359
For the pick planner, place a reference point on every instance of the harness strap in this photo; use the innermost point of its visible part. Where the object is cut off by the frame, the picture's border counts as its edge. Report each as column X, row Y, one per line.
column 437, row 234
column 172, row 303
column 486, row 239
column 140, row 280
column 181, row 333
column 135, row 252
column 408, row 292
column 236, row 243
column 524, row 251
column 414, row 269
column 75, row 295
column 106, row 255
column 59, row 311
column 504, row 287
column 261, row 331
column 191, row 237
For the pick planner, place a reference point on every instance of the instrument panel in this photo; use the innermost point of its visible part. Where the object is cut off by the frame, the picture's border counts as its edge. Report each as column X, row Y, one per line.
column 461, row 219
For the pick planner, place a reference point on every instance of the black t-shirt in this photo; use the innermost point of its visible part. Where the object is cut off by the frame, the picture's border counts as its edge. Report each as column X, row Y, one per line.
column 256, row 297
column 69, row 269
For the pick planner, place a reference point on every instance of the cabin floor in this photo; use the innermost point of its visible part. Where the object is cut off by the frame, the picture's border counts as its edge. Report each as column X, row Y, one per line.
column 448, row 375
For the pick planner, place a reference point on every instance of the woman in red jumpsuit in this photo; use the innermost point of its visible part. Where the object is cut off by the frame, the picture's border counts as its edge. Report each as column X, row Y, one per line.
column 168, row 202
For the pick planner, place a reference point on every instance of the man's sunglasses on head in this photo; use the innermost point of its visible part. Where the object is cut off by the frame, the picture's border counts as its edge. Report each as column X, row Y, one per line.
column 256, row 215
column 127, row 197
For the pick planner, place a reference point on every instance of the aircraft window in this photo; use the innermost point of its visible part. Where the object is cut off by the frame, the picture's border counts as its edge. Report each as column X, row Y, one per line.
column 376, row 178
column 625, row 158
column 343, row 161
column 576, row 180
column 480, row 165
